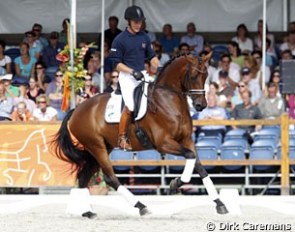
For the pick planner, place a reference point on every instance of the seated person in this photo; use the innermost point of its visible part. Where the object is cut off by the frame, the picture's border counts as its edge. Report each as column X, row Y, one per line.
column 214, row 112
column 272, row 105
column 23, row 97
column 21, row 113
column 246, row 110
column 44, row 112
column 6, row 104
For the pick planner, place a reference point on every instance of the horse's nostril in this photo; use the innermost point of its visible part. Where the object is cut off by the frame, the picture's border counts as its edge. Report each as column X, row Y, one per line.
column 199, row 107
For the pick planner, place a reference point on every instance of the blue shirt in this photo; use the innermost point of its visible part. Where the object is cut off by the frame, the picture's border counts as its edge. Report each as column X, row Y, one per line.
column 49, row 55
column 169, row 45
column 131, row 50
column 25, row 69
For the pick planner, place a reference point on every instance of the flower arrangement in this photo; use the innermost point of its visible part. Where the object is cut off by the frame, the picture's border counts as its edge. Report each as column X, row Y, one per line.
column 97, row 185
column 73, row 74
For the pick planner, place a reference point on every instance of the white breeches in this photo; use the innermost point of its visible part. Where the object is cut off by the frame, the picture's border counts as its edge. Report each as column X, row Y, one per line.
column 128, row 83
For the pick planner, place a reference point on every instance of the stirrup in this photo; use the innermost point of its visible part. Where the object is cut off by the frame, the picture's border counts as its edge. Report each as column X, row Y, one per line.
column 124, row 143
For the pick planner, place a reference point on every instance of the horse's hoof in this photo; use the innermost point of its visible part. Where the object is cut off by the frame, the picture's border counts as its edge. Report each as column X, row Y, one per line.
column 89, row 215
column 173, row 187
column 221, row 209
column 144, row 211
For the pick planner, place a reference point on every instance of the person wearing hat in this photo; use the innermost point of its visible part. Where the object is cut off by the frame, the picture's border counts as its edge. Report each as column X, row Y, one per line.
column 37, row 28
column 49, row 52
column 11, row 91
column 129, row 51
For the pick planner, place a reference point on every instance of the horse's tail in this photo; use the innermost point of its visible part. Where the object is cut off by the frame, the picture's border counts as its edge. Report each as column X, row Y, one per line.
column 82, row 161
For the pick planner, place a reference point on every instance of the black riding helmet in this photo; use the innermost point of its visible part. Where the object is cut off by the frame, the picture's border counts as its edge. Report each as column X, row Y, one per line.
column 134, row 13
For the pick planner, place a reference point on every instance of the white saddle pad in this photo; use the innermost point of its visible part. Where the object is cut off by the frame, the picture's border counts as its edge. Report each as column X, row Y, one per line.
column 113, row 108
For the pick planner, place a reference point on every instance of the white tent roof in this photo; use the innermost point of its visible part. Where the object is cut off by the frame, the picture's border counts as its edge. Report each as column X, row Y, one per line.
column 17, row 16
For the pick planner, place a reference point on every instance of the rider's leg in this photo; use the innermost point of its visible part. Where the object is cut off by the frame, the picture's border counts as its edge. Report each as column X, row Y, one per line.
column 125, row 120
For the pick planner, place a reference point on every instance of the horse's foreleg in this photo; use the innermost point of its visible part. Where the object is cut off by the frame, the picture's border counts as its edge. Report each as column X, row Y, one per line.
column 211, row 190
column 187, row 172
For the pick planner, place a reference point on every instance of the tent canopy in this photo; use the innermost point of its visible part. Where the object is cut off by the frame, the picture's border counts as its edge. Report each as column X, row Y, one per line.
column 18, row 16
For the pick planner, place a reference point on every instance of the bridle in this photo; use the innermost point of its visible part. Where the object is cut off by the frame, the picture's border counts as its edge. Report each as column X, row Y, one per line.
column 187, row 81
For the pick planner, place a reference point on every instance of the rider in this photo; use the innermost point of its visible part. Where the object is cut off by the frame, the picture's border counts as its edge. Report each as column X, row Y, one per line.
column 129, row 51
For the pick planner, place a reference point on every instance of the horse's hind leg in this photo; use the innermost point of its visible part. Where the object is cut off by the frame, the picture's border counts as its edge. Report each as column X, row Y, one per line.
column 211, row 190
column 112, row 180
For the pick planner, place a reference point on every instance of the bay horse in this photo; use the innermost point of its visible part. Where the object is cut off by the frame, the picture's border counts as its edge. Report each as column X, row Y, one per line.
column 85, row 139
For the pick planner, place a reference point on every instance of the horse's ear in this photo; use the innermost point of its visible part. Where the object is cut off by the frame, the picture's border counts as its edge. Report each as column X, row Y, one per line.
column 207, row 57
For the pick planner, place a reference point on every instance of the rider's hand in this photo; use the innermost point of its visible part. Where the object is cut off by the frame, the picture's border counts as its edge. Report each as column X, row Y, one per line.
column 137, row 75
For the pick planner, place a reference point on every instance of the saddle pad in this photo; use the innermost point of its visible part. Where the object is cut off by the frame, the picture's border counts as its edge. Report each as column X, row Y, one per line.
column 113, row 108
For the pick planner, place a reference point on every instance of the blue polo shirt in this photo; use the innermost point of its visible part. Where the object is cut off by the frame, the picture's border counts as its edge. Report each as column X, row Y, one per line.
column 131, row 50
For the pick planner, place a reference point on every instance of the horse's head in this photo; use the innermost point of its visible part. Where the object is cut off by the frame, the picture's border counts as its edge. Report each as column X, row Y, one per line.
column 195, row 78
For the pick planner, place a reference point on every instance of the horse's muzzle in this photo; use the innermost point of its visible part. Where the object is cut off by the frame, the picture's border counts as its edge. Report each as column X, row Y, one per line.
column 199, row 107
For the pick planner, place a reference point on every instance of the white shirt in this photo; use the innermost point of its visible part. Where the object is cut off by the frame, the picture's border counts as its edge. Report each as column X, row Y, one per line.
column 46, row 116
column 244, row 45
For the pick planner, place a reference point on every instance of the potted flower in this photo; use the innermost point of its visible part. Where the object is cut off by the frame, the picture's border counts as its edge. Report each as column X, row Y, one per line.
column 97, row 185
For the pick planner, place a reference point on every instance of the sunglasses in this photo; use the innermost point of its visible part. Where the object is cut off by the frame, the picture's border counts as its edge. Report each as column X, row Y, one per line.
column 114, row 76
column 39, row 67
column 43, row 102
column 58, row 75
column 241, row 86
column 87, row 79
column 36, row 29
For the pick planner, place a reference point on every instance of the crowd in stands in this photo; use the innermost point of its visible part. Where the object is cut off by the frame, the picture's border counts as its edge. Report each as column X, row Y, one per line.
column 31, row 86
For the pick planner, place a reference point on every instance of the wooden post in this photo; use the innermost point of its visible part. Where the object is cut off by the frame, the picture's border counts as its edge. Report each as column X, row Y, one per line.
column 285, row 162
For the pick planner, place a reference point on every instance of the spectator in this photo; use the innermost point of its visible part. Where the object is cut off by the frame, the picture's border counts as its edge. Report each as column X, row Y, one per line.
column 10, row 90
column 54, row 92
column 88, row 91
column 21, row 113
column 5, row 61
column 113, row 30
column 225, row 65
column 63, row 35
column 150, row 34
column 286, row 55
column 235, row 53
column 23, row 97
column 242, row 39
column 114, row 84
column 44, row 113
column 51, row 50
column 93, row 67
column 255, row 68
column 42, row 79
column 196, row 42
column 271, row 106
column 225, row 90
column 183, row 48
column 163, row 57
column 6, row 104
column 213, row 112
column 237, row 98
column 252, row 84
column 258, row 37
column 34, row 89
column 35, row 45
column 276, row 78
column 37, row 28
column 257, row 55
column 24, row 64
column 168, row 40
column 290, row 44
column 246, row 110
column 214, row 90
